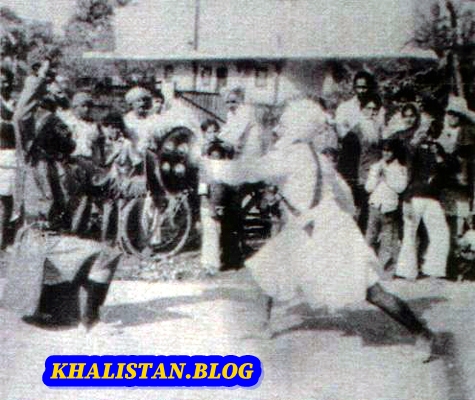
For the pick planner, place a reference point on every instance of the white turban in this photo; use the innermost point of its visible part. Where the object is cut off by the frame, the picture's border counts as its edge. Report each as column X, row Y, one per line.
column 135, row 93
column 81, row 98
column 304, row 121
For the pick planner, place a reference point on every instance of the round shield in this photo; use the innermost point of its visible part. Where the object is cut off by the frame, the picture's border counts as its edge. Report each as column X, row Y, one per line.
column 174, row 168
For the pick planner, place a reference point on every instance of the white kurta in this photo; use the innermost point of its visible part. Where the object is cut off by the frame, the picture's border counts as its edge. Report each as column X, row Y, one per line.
column 242, row 132
column 8, row 165
column 348, row 115
column 85, row 134
column 141, row 129
column 334, row 266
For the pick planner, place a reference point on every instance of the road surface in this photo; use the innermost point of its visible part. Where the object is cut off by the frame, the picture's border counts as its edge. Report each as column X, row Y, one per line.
column 357, row 355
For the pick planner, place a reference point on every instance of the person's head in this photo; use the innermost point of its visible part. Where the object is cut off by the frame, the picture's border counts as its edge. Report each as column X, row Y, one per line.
column 387, row 151
column 6, row 82
column 431, row 106
column 453, row 119
column 363, row 83
column 456, row 112
column 392, row 149
column 210, row 128
column 158, row 101
column 140, row 100
column 404, row 95
column 410, row 115
column 52, row 71
column 302, row 121
column 50, row 66
column 48, row 103
column 370, row 105
column 59, row 89
column 234, row 99
column 112, row 127
column 82, row 104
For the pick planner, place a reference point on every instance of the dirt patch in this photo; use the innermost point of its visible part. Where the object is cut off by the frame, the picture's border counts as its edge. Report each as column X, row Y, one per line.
column 183, row 266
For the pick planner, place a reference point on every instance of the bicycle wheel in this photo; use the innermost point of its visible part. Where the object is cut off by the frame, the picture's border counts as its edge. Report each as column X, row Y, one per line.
column 260, row 218
column 153, row 232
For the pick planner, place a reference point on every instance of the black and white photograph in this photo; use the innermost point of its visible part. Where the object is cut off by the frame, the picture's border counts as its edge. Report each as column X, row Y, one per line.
column 288, row 179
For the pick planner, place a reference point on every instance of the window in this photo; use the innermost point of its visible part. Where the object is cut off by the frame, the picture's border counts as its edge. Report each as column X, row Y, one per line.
column 222, row 75
column 168, row 73
column 205, row 75
column 261, row 76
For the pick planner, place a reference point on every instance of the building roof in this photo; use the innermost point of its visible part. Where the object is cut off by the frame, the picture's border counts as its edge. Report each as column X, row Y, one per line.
column 267, row 29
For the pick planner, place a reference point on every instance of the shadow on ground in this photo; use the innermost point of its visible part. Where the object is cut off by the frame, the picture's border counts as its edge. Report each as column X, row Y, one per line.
column 157, row 310
column 372, row 325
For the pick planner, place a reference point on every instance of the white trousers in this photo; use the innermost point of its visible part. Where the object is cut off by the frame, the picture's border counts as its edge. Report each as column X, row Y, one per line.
column 431, row 213
column 210, row 238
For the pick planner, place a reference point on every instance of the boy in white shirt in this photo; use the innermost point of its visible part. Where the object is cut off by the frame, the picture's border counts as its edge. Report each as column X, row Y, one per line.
column 387, row 179
column 210, row 201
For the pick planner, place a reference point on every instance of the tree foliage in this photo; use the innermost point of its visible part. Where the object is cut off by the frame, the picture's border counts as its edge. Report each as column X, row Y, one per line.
column 19, row 37
column 24, row 43
column 448, row 29
column 93, row 11
column 90, row 27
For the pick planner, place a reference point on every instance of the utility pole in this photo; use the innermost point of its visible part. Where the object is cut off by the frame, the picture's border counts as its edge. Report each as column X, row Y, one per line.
column 456, row 45
column 197, row 24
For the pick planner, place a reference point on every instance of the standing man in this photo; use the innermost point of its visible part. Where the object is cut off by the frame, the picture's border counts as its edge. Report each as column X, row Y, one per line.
column 359, row 122
column 431, row 169
column 59, row 89
column 240, row 135
column 348, row 113
column 33, row 109
column 240, row 131
column 49, row 267
column 8, row 162
column 85, row 159
column 85, row 130
column 458, row 140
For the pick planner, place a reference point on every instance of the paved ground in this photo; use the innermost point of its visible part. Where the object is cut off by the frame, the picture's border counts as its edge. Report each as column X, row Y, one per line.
column 360, row 356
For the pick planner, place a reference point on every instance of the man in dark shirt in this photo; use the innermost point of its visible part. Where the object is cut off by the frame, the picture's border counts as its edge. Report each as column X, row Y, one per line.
column 48, row 267
column 431, row 169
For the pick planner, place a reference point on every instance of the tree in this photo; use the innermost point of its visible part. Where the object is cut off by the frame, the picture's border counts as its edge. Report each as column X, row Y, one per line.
column 90, row 27
column 449, row 30
column 12, row 34
column 24, row 42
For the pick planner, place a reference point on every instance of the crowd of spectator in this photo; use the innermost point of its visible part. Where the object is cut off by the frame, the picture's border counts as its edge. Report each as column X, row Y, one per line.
column 410, row 167
column 409, row 164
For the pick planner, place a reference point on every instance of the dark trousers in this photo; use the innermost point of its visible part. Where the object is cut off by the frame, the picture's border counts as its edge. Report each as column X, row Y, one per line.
column 398, row 310
column 61, row 303
column 453, row 267
column 6, row 228
column 383, row 235
column 231, row 239
column 361, row 198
